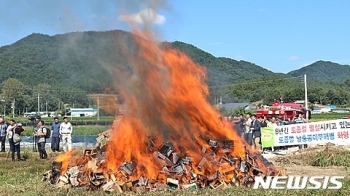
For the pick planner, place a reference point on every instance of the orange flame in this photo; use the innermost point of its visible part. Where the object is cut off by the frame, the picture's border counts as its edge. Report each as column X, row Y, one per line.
column 65, row 159
column 165, row 95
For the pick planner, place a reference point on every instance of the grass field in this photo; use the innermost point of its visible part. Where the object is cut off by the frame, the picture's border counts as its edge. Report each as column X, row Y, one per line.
column 328, row 116
column 24, row 178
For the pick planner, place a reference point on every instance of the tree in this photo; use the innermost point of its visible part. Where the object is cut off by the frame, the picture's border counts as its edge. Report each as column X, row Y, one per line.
column 12, row 91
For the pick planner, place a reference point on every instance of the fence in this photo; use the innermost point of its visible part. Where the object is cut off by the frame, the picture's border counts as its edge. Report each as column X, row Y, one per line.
column 77, row 140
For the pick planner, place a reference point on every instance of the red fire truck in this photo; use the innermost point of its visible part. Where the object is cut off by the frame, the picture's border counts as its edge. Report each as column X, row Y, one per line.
column 282, row 110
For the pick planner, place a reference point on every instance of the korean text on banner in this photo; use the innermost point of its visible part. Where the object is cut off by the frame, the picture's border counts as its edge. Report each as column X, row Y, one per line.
column 335, row 131
column 267, row 137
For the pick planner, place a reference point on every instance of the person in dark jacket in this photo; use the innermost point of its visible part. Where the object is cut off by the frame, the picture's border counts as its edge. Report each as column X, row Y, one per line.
column 263, row 121
column 55, row 137
column 17, row 146
column 14, row 146
column 256, row 130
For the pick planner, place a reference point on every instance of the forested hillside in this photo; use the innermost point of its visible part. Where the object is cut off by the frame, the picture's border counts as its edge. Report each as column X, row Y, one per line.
column 324, row 71
column 289, row 89
column 223, row 71
column 63, row 69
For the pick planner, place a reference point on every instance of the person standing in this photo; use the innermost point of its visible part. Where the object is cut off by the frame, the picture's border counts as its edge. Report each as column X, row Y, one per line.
column 272, row 123
column 35, row 131
column 66, row 134
column 17, row 145
column 256, row 132
column 40, row 135
column 248, row 131
column 299, row 119
column 55, row 137
column 263, row 121
column 3, row 128
column 10, row 133
column 36, row 123
column 241, row 126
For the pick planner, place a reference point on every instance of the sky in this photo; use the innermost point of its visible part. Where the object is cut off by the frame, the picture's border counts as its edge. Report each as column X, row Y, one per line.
column 280, row 36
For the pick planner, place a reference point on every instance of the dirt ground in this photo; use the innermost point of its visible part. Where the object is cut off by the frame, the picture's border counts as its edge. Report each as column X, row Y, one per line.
column 295, row 163
column 297, row 170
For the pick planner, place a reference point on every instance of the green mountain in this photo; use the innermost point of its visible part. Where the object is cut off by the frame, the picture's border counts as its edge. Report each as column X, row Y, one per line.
column 222, row 71
column 82, row 60
column 324, row 71
column 73, row 59
column 64, row 68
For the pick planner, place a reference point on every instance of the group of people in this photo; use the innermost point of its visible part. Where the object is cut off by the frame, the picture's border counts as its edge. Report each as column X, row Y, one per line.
column 12, row 131
column 250, row 126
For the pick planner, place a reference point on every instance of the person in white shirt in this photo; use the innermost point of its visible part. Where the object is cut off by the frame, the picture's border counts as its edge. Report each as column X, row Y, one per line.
column 248, row 131
column 272, row 123
column 9, row 134
column 66, row 134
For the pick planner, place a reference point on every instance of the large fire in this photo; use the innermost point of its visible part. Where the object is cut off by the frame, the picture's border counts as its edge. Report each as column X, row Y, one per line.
column 168, row 118
column 166, row 97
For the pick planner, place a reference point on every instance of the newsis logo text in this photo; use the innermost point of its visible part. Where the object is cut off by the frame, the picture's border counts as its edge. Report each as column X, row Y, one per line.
column 299, row 182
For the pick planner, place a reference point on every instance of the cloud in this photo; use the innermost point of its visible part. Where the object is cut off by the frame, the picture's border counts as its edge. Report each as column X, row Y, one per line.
column 293, row 58
column 145, row 16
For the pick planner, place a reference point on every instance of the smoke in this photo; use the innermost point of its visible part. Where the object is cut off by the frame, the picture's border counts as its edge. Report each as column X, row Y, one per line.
column 146, row 16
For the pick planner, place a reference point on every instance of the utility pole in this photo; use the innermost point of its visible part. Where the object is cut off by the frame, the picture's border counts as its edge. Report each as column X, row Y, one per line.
column 4, row 106
column 13, row 108
column 306, row 99
column 98, row 108
column 38, row 104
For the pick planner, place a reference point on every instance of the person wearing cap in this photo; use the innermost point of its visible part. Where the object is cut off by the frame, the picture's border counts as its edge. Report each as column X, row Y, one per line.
column 66, row 134
column 17, row 146
column 55, row 135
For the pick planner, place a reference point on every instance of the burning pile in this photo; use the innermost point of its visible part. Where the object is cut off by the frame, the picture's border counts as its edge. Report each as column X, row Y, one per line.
column 170, row 136
column 217, row 169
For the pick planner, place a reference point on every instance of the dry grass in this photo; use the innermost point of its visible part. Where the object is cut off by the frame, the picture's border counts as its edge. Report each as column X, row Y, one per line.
column 320, row 156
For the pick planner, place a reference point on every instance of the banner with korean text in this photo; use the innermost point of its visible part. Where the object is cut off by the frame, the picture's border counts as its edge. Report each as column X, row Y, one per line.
column 334, row 131
column 267, row 137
